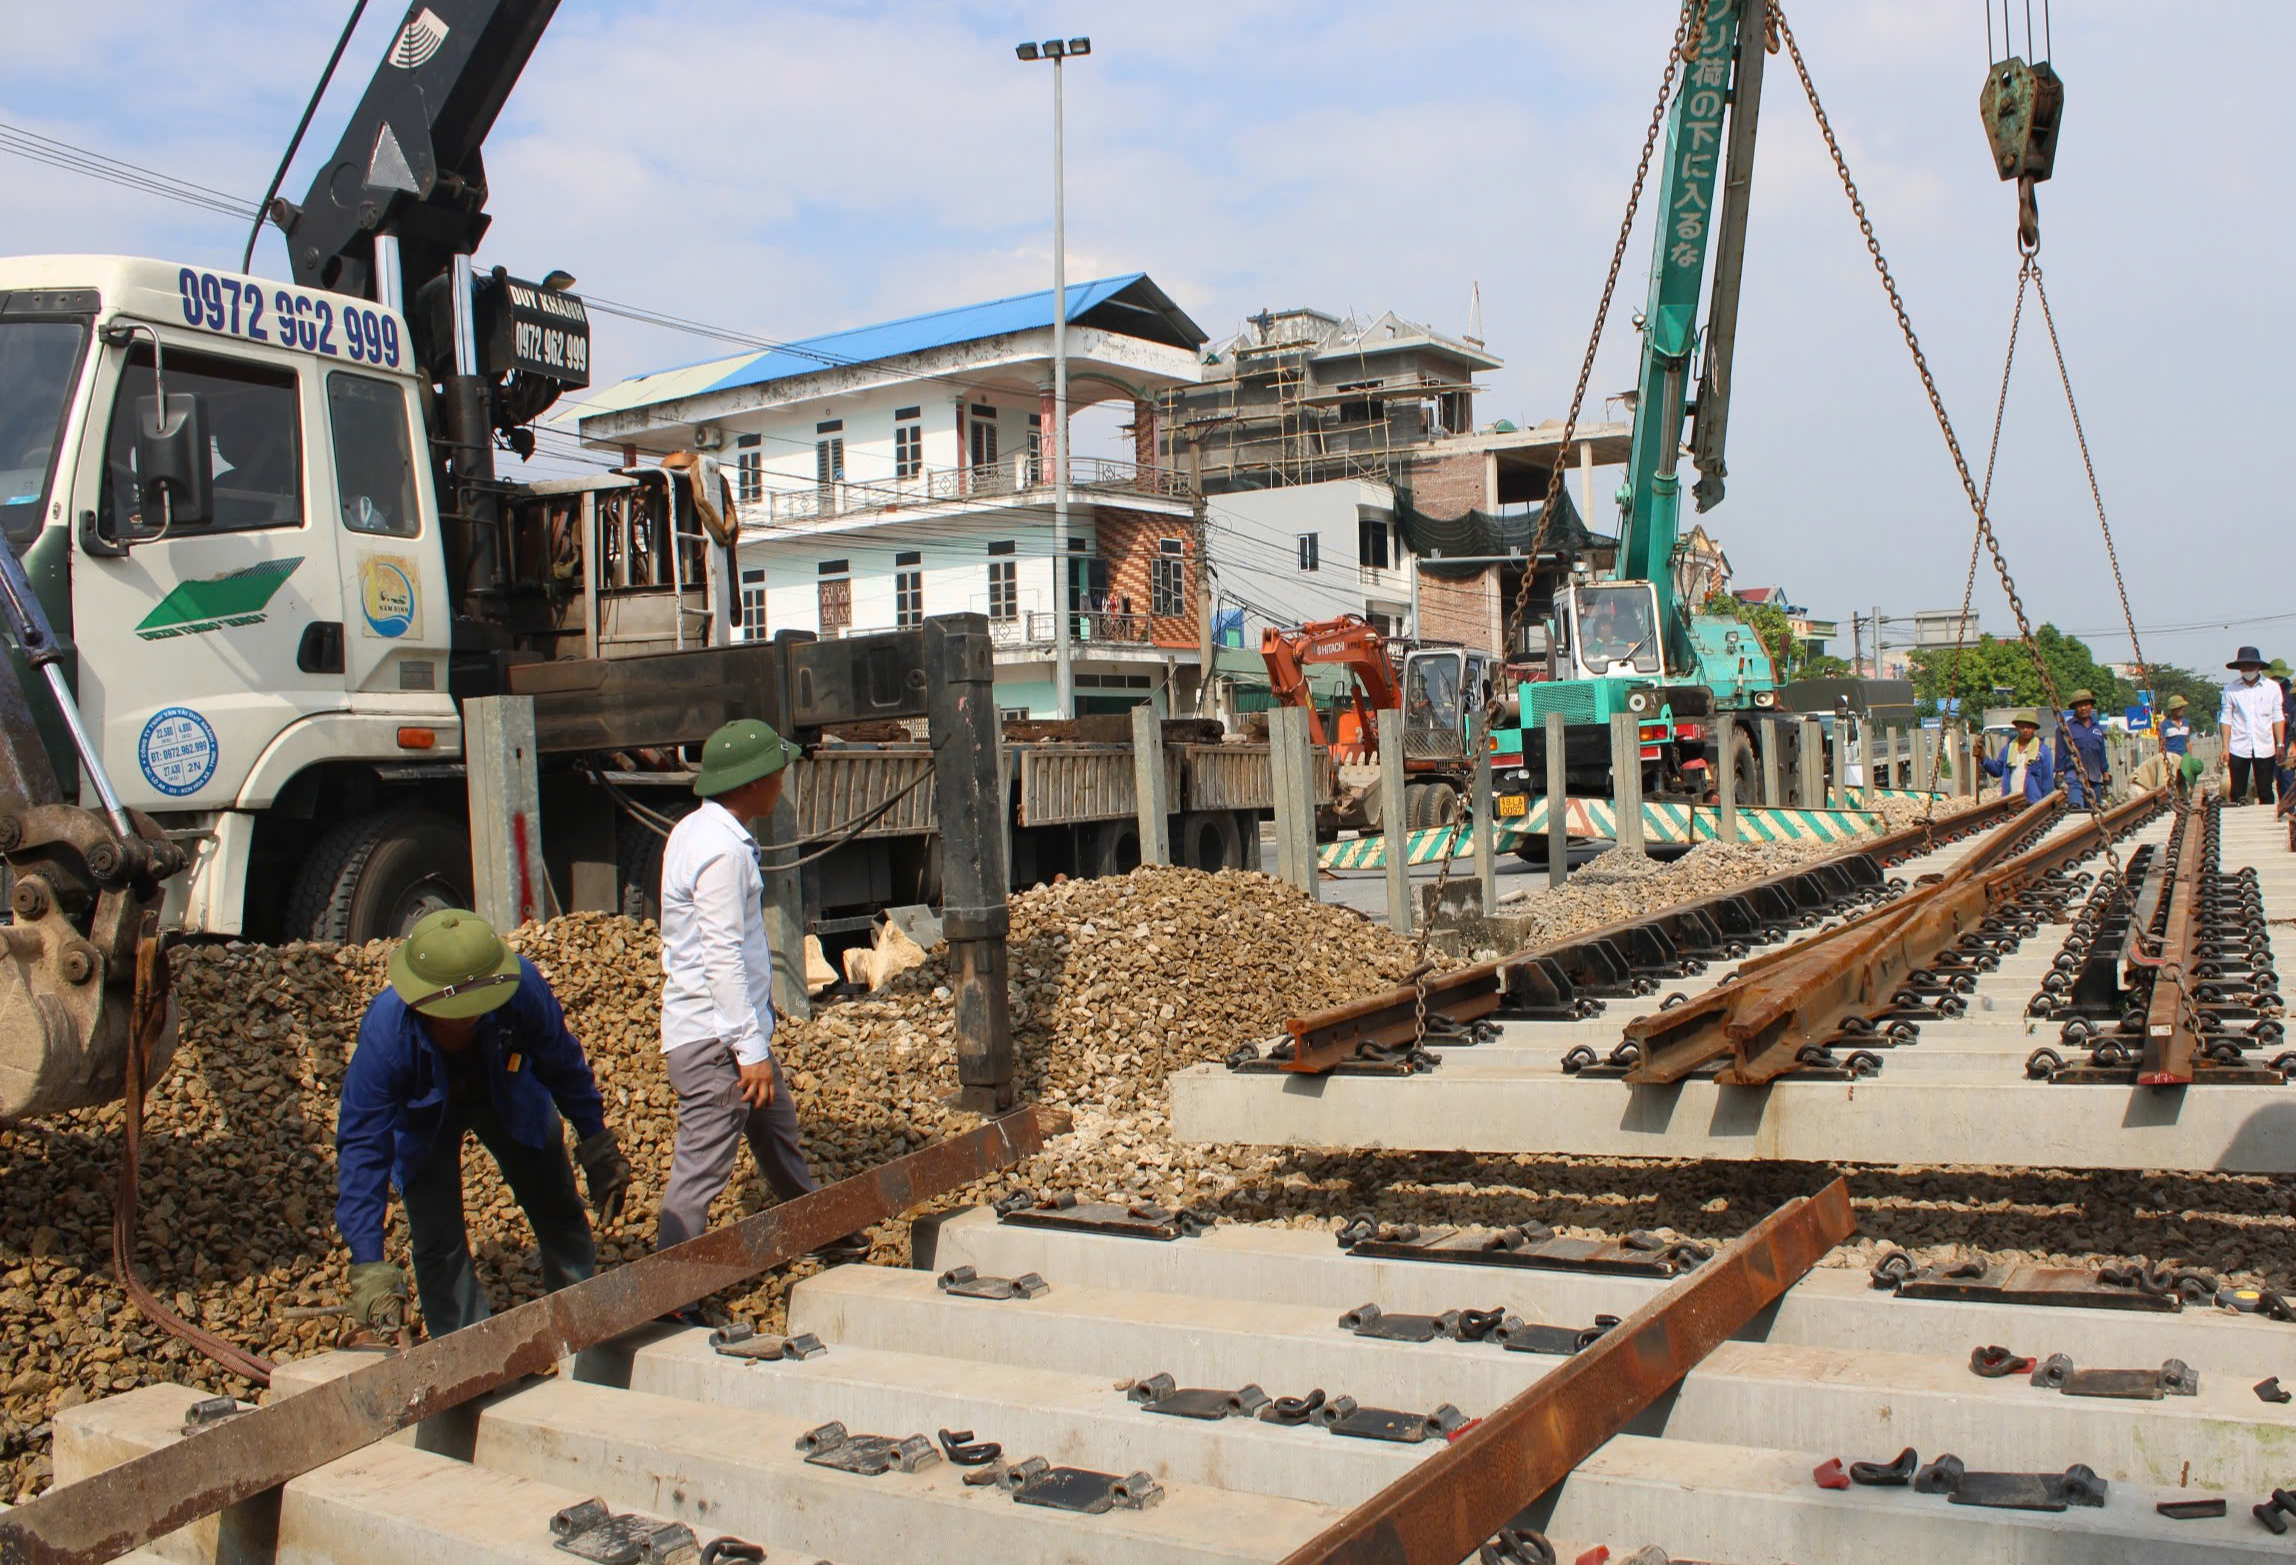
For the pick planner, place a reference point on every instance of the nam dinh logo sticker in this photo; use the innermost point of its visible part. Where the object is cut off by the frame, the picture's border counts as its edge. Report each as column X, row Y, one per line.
column 387, row 600
column 235, row 598
column 177, row 751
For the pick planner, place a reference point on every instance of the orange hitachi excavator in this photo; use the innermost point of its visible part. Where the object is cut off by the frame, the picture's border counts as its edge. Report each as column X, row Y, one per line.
column 1352, row 642
column 1436, row 688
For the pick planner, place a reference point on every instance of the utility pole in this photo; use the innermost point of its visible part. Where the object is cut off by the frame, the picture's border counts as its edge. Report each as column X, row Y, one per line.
column 1063, row 673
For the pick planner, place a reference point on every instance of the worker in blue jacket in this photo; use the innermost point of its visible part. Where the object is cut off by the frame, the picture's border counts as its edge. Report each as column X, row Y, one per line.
column 467, row 1038
column 2023, row 764
column 2081, row 752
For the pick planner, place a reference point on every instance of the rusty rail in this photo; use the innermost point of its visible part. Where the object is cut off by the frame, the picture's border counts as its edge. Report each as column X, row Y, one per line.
column 1442, row 1510
column 1778, row 1005
column 1327, row 1038
column 124, row 1507
column 2172, row 1042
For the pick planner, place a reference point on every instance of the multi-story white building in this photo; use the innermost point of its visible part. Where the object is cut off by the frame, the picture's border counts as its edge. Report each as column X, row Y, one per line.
column 894, row 471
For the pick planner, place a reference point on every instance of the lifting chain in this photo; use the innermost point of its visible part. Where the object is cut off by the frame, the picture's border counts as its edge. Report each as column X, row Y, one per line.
column 1691, row 25
column 1976, row 546
column 1985, row 530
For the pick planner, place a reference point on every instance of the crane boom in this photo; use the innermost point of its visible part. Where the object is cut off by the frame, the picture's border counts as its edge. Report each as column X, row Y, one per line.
column 1696, row 155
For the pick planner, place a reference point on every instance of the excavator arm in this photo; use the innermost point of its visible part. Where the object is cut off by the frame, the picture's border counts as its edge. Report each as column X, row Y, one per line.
column 85, row 883
column 1349, row 641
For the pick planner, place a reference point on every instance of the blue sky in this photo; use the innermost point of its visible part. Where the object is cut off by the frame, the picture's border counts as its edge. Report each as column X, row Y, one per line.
column 786, row 169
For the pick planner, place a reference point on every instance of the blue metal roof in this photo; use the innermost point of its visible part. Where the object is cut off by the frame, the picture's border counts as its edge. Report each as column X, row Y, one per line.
column 1130, row 304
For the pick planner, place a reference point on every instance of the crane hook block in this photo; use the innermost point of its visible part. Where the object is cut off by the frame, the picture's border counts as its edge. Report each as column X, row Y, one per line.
column 2021, row 106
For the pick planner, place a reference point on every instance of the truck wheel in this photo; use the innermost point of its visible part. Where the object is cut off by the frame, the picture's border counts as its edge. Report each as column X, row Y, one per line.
column 374, row 877
column 1210, row 841
column 638, row 866
column 1248, row 851
column 1744, row 767
column 1110, row 848
column 1437, row 802
column 1415, row 805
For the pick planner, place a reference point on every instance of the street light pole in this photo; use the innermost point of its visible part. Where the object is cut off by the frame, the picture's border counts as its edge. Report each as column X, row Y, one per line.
column 1063, row 670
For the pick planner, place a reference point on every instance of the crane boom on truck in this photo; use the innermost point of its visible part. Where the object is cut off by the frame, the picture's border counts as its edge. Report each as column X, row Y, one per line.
column 1631, row 644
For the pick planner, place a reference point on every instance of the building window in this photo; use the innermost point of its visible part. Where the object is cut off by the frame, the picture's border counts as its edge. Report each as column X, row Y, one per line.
column 753, row 605
column 1035, row 449
column 836, row 601
column 908, row 442
column 983, row 434
column 1311, row 551
column 1168, row 579
column 1371, row 543
column 908, row 588
column 1004, row 589
column 829, row 460
column 1012, row 714
column 749, row 467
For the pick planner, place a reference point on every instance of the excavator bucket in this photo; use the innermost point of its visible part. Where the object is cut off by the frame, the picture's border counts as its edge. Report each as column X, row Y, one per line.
column 68, row 956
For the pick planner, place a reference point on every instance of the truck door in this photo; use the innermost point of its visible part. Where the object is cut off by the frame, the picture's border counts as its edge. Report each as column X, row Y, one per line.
column 196, row 648
column 393, row 578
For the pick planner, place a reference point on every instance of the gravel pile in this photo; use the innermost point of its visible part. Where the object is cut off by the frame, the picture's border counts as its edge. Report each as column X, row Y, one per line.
column 1116, row 983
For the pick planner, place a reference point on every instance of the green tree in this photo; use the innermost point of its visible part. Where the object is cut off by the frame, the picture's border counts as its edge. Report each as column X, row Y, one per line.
column 1994, row 672
column 2203, row 694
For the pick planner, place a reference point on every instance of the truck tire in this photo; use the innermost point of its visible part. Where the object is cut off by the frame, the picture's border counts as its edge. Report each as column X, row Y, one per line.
column 1210, row 841
column 1248, row 850
column 1437, row 802
column 1744, row 766
column 1415, row 806
column 638, row 868
column 1109, row 848
column 374, row 876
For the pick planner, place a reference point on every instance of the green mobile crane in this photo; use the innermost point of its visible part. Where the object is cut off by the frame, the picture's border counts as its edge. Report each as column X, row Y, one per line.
column 1629, row 643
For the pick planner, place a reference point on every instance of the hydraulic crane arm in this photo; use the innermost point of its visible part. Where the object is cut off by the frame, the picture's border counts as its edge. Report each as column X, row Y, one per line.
column 409, row 163
column 1717, row 84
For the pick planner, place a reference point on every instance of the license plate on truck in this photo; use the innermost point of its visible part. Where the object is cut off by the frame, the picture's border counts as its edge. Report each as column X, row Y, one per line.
column 1513, row 804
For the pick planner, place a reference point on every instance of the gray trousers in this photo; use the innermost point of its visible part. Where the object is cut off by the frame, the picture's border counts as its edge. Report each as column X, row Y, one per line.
column 713, row 1121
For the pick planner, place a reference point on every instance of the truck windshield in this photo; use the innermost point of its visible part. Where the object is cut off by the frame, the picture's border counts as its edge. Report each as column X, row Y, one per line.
column 1615, row 626
column 38, row 360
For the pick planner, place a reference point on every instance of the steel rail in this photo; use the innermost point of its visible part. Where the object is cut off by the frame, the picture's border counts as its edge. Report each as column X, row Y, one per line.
column 1443, row 1510
column 2172, row 1040
column 1776, row 1006
column 146, row 1497
column 1330, row 1037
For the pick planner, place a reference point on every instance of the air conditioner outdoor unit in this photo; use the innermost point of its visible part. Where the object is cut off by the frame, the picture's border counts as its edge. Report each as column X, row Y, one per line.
column 708, row 437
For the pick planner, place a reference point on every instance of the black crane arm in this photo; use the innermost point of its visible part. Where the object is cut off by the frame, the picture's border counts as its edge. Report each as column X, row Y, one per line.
column 409, row 163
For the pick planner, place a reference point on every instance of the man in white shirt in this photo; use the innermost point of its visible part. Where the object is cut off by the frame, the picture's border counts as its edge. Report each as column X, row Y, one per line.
column 717, row 990
column 2255, row 727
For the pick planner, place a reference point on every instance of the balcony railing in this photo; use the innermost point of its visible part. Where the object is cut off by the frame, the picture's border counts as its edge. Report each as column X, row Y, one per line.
column 1019, row 474
column 1097, row 625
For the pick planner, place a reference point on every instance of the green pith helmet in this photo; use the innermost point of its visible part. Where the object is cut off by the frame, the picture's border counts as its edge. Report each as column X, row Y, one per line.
column 453, row 965
column 2025, row 717
column 2177, row 703
column 2080, row 696
column 741, row 752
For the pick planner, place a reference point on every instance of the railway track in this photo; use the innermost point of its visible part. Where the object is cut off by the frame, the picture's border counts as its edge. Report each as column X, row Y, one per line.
column 1122, row 1355
column 1950, row 1075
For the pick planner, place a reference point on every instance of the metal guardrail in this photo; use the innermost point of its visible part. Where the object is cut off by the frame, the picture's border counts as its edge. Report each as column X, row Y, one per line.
column 1091, row 625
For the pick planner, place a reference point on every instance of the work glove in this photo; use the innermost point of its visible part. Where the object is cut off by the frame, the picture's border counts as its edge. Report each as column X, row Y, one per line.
column 378, row 1295
column 605, row 1171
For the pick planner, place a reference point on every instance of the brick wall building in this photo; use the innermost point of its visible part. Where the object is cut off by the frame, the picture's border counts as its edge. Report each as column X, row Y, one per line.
column 1136, row 544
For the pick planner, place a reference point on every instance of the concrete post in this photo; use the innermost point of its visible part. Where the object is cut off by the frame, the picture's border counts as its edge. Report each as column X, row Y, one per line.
column 1007, row 763
column 785, row 901
column 961, row 710
column 1291, row 759
column 1479, row 807
column 1924, row 762
column 1869, row 764
column 1393, row 821
column 1726, row 780
column 1889, row 772
column 508, row 881
column 1813, row 764
column 1626, row 780
column 1772, row 793
column 1839, row 798
column 1558, row 804
column 1148, row 785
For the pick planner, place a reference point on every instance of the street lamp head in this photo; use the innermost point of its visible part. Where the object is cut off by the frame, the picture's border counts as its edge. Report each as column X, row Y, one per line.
column 1054, row 48
column 1026, row 51
column 1079, row 46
